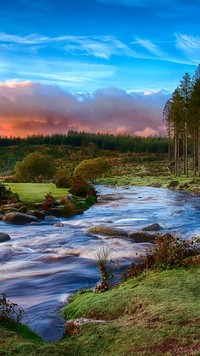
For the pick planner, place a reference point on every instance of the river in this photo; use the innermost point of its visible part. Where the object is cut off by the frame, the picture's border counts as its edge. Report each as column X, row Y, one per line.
column 43, row 264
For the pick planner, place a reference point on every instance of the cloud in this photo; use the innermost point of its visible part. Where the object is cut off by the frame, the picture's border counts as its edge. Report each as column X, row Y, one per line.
column 31, row 108
column 150, row 46
column 189, row 45
column 97, row 46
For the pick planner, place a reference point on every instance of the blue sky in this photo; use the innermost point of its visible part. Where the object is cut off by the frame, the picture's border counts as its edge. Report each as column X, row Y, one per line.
column 86, row 45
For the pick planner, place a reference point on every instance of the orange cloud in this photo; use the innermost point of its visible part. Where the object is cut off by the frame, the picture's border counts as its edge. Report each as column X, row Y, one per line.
column 35, row 108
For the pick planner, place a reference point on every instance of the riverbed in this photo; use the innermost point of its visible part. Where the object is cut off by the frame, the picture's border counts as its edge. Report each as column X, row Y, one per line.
column 43, row 264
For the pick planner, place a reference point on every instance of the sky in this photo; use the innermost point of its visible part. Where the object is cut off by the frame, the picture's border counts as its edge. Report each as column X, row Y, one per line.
column 93, row 65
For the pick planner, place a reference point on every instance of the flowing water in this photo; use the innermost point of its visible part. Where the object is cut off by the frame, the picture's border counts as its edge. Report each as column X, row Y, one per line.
column 43, row 264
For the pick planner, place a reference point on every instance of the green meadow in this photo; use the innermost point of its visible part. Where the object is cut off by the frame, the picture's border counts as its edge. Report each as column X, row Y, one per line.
column 35, row 192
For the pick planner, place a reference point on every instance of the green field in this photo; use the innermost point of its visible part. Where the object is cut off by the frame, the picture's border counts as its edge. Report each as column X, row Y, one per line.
column 35, row 192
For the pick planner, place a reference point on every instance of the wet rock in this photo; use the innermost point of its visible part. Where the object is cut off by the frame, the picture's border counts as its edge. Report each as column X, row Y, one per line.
column 106, row 231
column 152, row 227
column 4, row 237
column 1, row 217
column 19, row 218
column 59, row 224
column 23, row 209
column 38, row 214
column 57, row 211
column 73, row 327
column 139, row 237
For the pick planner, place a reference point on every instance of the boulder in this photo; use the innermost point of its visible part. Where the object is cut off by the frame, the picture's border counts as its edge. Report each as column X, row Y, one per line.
column 139, row 237
column 38, row 214
column 4, row 237
column 106, row 231
column 152, row 227
column 19, row 218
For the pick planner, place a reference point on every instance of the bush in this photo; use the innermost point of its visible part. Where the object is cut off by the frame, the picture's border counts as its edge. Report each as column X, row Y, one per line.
column 7, row 196
column 9, row 310
column 62, row 178
column 81, row 188
column 91, row 169
column 49, row 201
column 168, row 253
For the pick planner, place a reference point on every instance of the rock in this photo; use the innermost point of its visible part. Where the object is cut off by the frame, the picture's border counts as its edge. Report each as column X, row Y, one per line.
column 59, row 224
column 103, row 230
column 139, row 237
column 1, row 217
column 73, row 327
column 4, row 237
column 23, row 209
column 56, row 211
column 38, row 214
column 19, row 218
column 152, row 227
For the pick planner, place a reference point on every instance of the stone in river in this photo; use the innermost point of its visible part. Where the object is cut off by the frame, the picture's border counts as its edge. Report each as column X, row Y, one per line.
column 152, row 227
column 4, row 237
column 140, row 237
column 19, row 218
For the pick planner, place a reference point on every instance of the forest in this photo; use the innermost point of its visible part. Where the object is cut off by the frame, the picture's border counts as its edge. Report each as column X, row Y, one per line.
column 122, row 143
column 182, row 118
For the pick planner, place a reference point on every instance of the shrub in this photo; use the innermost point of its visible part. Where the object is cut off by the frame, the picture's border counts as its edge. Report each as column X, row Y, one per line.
column 82, row 188
column 62, row 178
column 105, row 265
column 169, row 252
column 49, row 201
column 7, row 196
column 9, row 310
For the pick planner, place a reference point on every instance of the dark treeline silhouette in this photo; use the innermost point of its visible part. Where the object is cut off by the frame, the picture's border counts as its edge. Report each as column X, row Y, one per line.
column 122, row 143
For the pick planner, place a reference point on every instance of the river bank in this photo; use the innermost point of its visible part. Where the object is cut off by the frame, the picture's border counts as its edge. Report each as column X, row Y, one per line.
column 157, row 313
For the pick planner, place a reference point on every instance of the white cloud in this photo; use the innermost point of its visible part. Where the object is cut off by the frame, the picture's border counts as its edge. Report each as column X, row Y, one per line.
column 189, row 45
column 150, row 46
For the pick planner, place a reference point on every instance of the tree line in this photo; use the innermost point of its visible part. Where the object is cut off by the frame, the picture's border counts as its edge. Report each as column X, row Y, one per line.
column 182, row 118
column 122, row 143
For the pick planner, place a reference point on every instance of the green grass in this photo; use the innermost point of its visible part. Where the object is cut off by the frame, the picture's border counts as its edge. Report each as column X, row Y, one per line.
column 154, row 314
column 35, row 192
column 157, row 311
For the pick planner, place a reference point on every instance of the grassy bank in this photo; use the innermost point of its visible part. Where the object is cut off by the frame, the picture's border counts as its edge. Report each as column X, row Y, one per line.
column 35, row 192
column 153, row 173
column 153, row 314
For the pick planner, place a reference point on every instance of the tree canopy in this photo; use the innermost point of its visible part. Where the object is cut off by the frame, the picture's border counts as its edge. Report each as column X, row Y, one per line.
column 35, row 167
column 91, row 169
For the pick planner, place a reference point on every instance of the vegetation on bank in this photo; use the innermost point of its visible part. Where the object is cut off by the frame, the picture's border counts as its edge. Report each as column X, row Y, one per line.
column 152, row 314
